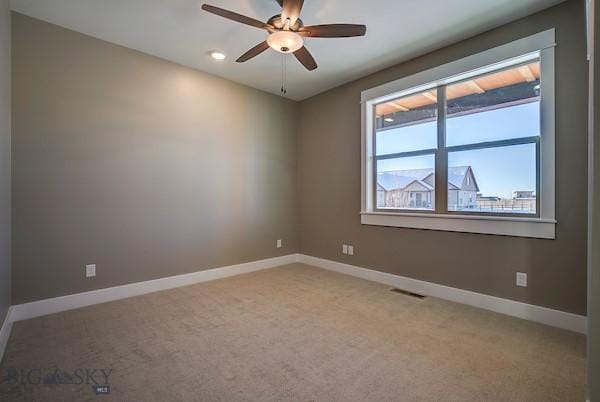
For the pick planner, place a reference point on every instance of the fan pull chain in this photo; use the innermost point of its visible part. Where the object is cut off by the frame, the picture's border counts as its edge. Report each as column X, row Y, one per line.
column 283, row 75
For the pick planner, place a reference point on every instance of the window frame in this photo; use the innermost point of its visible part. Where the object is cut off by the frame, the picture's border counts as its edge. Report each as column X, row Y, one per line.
column 539, row 225
column 407, row 154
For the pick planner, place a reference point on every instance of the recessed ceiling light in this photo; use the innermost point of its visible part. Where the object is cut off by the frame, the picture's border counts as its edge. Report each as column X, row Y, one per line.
column 388, row 120
column 217, row 55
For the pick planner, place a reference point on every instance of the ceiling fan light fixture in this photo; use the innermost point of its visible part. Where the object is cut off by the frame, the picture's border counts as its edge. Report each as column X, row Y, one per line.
column 287, row 31
column 285, row 41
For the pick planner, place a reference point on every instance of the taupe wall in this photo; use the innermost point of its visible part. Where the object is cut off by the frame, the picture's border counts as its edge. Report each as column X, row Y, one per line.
column 149, row 169
column 143, row 167
column 329, row 185
column 594, row 269
column 4, row 159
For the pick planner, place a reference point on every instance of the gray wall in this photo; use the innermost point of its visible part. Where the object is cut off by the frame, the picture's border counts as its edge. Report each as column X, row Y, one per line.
column 143, row 167
column 4, row 159
column 329, row 185
column 150, row 169
column 594, row 268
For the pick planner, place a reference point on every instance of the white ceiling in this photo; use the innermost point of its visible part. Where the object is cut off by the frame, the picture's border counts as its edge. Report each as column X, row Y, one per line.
column 178, row 30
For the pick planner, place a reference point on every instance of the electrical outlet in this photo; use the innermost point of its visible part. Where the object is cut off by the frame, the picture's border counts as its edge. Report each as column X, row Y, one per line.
column 345, row 249
column 279, row 243
column 521, row 279
column 350, row 250
column 90, row 270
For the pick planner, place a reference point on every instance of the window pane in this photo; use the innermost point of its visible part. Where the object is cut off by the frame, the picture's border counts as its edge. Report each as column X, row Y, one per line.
column 493, row 180
column 497, row 106
column 407, row 124
column 406, row 183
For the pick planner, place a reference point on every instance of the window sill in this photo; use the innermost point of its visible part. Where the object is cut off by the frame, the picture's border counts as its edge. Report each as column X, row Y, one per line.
column 495, row 225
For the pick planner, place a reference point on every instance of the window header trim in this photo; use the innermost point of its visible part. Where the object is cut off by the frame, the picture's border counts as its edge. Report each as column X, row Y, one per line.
column 509, row 54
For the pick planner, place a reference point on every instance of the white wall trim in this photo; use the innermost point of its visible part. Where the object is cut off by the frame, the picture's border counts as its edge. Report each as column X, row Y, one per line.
column 5, row 332
column 64, row 303
column 496, row 225
column 530, row 312
column 456, row 70
column 513, row 308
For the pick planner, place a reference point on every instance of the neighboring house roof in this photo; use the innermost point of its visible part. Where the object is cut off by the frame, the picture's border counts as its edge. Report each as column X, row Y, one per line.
column 399, row 179
column 456, row 175
column 390, row 181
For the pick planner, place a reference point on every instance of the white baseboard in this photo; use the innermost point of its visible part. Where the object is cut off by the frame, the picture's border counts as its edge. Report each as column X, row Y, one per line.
column 5, row 332
column 64, row 303
column 530, row 312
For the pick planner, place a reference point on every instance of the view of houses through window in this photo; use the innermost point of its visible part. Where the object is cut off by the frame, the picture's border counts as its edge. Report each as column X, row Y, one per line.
column 488, row 132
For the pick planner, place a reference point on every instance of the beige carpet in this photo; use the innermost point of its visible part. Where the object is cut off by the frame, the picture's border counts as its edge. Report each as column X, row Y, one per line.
column 294, row 333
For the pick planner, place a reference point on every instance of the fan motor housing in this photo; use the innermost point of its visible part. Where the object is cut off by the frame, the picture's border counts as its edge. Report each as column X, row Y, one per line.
column 278, row 23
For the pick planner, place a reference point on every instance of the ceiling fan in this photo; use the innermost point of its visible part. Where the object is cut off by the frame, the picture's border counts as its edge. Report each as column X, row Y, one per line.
column 287, row 31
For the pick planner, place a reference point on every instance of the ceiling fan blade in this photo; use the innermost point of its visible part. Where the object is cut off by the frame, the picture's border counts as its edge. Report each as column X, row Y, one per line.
column 333, row 31
column 230, row 15
column 291, row 10
column 255, row 51
column 304, row 57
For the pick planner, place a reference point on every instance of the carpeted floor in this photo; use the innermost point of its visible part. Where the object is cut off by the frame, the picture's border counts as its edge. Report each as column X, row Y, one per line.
column 291, row 333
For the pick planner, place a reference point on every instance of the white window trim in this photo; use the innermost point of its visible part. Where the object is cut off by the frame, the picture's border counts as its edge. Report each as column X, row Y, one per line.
column 542, row 44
